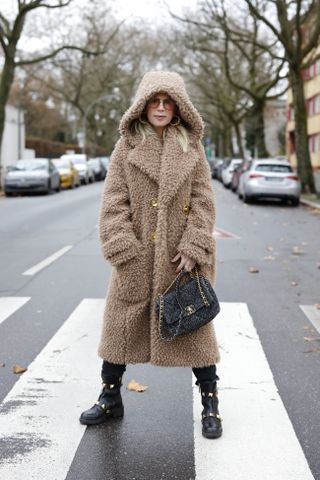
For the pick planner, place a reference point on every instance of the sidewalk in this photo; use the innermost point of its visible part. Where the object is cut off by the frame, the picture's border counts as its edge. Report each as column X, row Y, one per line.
column 310, row 199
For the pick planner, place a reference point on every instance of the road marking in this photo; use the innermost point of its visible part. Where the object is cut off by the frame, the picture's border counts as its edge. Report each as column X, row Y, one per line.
column 8, row 305
column 313, row 314
column 220, row 233
column 39, row 427
column 258, row 441
column 39, row 266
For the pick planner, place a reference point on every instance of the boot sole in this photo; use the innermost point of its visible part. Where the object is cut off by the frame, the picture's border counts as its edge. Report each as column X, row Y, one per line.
column 211, row 435
column 116, row 413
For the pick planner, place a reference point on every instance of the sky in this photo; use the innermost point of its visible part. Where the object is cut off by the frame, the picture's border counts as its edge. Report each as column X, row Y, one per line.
column 151, row 11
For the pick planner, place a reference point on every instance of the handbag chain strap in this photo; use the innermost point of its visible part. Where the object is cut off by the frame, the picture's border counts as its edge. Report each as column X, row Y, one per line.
column 161, row 304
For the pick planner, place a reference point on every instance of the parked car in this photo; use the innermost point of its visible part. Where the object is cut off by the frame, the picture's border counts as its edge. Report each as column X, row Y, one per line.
column 238, row 171
column 98, row 167
column 69, row 175
column 32, row 175
column 270, row 178
column 226, row 174
column 217, row 162
column 105, row 162
column 221, row 166
column 79, row 161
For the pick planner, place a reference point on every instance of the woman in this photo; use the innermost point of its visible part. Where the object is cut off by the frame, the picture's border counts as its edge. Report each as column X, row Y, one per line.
column 157, row 216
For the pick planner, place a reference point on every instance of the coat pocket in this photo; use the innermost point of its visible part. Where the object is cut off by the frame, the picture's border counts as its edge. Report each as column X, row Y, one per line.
column 132, row 279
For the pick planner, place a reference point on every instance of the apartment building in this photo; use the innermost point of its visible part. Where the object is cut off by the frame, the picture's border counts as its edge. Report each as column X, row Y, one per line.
column 311, row 76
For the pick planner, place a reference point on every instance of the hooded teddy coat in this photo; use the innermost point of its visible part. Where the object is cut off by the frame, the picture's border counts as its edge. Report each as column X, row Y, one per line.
column 156, row 201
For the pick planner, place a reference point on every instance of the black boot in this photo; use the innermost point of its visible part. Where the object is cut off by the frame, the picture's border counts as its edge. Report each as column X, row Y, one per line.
column 109, row 404
column 211, row 420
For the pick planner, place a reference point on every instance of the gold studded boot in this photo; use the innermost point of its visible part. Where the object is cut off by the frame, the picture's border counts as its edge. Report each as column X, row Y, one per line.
column 210, row 417
column 109, row 404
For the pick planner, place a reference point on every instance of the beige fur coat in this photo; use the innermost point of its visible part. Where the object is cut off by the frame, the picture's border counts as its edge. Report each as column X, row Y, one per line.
column 156, row 201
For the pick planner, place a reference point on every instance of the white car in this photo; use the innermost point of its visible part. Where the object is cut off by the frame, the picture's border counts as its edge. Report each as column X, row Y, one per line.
column 270, row 178
column 226, row 174
column 80, row 162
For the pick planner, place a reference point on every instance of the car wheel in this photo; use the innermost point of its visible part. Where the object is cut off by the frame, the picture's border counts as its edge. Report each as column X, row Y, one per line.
column 58, row 189
column 48, row 191
column 8, row 194
column 295, row 202
column 247, row 198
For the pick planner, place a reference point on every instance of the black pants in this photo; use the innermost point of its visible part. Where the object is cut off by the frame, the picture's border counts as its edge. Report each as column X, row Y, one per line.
column 117, row 370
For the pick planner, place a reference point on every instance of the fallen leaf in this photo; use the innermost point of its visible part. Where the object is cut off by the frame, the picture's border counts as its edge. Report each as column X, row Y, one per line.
column 2, row 364
column 136, row 387
column 294, row 284
column 312, row 339
column 19, row 369
column 254, row 270
column 296, row 250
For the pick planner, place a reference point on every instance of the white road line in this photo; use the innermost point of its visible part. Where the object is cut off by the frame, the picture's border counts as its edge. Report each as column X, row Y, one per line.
column 39, row 426
column 8, row 305
column 39, row 266
column 313, row 314
column 258, row 441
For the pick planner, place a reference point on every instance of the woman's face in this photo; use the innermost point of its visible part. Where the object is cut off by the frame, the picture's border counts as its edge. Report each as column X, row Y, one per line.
column 160, row 110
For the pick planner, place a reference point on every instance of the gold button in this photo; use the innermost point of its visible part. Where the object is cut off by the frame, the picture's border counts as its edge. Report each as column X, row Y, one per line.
column 186, row 209
column 153, row 236
column 154, row 202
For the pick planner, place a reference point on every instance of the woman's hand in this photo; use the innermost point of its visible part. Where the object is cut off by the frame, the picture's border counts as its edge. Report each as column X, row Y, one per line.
column 186, row 262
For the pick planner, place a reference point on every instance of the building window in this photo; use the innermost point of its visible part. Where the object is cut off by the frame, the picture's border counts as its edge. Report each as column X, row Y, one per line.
column 314, row 143
column 313, row 105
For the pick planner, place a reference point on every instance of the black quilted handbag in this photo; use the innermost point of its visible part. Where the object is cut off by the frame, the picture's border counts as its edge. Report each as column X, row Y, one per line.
column 187, row 307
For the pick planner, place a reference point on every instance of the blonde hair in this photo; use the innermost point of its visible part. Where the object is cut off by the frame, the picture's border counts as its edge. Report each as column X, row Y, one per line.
column 145, row 129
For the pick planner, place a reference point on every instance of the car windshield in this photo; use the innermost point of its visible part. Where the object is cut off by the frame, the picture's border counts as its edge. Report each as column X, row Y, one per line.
column 60, row 163
column 265, row 167
column 28, row 165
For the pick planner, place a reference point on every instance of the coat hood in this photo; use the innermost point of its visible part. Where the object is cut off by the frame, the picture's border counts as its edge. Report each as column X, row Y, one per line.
column 171, row 83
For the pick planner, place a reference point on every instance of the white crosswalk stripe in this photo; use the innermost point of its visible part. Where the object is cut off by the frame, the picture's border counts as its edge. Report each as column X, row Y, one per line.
column 258, row 440
column 9, row 305
column 40, row 431
column 313, row 314
column 39, row 427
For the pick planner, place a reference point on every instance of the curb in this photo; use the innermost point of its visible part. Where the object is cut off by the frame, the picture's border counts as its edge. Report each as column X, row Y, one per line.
column 309, row 203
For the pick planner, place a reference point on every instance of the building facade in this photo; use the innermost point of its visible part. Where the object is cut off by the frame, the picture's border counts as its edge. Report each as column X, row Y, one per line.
column 311, row 77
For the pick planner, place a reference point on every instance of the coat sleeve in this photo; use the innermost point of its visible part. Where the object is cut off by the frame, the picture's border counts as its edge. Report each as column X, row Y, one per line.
column 197, row 240
column 118, row 241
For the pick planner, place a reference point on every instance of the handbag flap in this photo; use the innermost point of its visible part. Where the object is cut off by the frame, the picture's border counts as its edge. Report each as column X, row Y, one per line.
column 189, row 295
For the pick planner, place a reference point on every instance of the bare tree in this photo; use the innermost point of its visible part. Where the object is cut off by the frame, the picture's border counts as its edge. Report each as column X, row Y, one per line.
column 295, row 25
column 10, row 34
column 233, row 37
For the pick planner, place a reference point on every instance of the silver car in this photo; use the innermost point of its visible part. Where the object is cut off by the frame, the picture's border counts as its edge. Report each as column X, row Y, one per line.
column 270, row 178
column 32, row 175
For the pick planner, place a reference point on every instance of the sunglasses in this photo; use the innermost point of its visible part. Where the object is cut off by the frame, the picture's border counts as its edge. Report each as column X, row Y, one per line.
column 168, row 103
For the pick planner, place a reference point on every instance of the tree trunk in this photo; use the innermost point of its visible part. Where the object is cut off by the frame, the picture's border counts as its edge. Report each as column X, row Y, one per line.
column 239, row 139
column 258, row 128
column 6, row 80
column 305, row 171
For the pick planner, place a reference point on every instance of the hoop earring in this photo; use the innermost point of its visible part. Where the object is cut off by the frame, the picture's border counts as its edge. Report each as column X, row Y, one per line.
column 176, row 123
column 144, row 122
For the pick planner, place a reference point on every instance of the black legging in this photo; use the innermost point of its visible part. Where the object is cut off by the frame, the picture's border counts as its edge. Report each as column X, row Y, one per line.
column 117, row 370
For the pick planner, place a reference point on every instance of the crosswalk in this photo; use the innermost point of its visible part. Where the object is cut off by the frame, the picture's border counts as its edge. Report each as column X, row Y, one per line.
column 40, row 432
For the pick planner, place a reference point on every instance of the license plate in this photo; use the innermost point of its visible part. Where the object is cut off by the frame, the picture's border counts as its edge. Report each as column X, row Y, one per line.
column 274, row 179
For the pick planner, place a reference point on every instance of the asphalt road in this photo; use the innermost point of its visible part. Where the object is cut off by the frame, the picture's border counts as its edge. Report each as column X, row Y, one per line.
column 156, row 438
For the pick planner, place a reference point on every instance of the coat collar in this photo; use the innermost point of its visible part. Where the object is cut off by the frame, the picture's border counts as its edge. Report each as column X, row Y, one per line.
column 164, row 163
